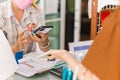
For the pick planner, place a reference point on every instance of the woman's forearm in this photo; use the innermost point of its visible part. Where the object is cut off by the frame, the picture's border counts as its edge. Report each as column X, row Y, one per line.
column 82, row 72
column 90, row 76
column 73, row 64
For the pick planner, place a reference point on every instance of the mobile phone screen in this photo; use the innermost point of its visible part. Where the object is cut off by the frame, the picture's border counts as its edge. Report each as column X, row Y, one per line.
column 43, row 29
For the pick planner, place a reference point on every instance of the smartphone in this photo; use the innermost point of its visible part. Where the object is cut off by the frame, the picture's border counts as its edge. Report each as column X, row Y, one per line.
column 43, row 29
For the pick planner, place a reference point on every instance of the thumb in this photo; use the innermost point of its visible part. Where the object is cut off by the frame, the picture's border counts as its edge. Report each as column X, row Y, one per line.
column 21, row 32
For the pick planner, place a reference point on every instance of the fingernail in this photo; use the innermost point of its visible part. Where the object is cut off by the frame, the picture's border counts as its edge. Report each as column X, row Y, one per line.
column 33, row 33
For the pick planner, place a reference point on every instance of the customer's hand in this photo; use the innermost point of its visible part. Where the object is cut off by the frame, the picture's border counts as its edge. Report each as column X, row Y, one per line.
column 60, row 54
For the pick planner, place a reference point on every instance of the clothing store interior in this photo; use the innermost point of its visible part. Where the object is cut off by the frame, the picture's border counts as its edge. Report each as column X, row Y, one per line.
column 59, row 39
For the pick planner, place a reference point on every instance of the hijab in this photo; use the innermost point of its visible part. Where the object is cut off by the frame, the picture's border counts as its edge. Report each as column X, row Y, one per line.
column 103, row 57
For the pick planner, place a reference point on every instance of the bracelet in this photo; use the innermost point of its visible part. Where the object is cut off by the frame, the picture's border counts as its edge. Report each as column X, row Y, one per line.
column 46, row 45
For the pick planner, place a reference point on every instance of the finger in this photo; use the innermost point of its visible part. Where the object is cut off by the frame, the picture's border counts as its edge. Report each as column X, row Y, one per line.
column 21, row 35
column 34, row 37
column 29, row 39
column 30, row 27
column 52, row 52
column 23, row 42
column 41, row 34
column 21, row 32
column 38, row 35
column 50, row 58
column 44, row 37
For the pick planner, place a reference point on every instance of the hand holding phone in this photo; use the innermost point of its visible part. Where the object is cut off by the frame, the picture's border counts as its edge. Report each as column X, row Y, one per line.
column 42, row 29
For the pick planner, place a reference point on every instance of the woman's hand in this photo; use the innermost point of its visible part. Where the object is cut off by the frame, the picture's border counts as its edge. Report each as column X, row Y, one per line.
column 41, row 38
column 20, row 43
column 43, row 41
column 60, row 54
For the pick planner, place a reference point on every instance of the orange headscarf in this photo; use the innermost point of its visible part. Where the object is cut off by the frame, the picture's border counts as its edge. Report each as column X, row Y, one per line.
column 103, row 57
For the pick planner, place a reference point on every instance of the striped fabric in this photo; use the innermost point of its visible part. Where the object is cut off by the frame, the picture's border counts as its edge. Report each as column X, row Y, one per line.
column 9, row 23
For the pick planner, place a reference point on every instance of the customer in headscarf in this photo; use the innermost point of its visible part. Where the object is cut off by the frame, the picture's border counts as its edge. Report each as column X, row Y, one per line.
column 102, row 61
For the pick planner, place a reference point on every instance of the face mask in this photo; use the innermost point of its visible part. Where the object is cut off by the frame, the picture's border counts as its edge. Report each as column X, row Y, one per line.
column 23, row 4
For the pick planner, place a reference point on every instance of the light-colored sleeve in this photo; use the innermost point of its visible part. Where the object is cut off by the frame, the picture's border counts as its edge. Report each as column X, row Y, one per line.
column 2, row 11
column 1, row 22
column 41, row 20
